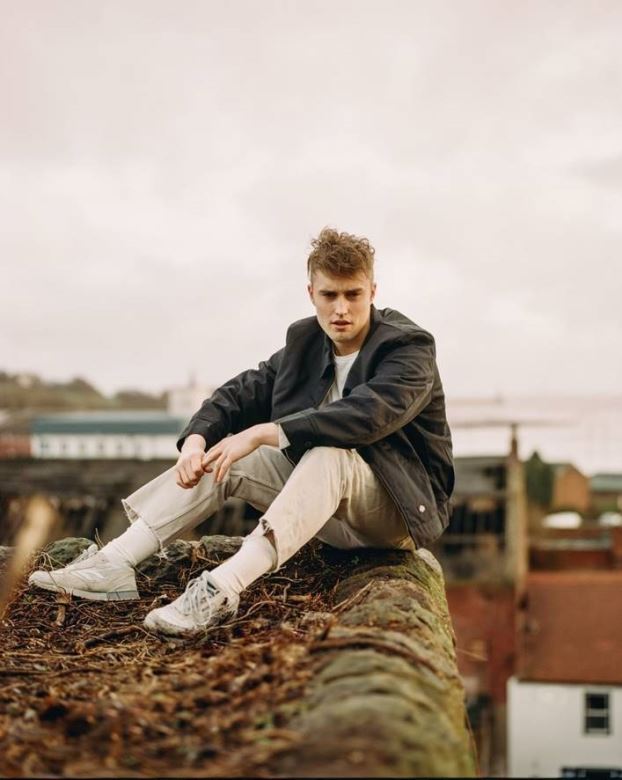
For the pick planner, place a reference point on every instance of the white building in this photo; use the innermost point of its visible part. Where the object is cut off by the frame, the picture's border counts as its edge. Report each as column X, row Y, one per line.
column 142, row 435
column 184, row 401
column 563, row 729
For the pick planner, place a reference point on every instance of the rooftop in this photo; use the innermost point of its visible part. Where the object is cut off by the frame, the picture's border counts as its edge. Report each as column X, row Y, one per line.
column 113, row 422
column 571, row 627
column 606, row 482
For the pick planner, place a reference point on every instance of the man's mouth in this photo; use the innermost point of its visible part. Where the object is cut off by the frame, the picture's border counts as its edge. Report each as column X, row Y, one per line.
column 341, row 323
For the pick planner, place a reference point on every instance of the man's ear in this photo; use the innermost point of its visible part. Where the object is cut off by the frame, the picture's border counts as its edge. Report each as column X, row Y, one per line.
column 373, row 291
column 310, row 291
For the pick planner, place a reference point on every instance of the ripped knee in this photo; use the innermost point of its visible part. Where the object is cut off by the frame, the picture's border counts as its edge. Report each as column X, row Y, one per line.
column 265, row 529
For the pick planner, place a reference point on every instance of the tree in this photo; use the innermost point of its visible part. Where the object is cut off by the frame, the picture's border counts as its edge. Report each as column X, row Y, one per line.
column 539, row 478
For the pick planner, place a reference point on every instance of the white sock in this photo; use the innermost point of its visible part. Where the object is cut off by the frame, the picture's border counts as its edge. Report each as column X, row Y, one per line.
column 255, row 558
column 133, row 546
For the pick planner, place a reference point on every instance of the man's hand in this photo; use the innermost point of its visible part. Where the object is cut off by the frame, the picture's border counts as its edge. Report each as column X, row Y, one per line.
column 189, row 466
column 221, row 456
column 194, row 462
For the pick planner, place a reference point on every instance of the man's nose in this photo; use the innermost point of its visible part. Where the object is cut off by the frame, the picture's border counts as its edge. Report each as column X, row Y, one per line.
column 341, row 306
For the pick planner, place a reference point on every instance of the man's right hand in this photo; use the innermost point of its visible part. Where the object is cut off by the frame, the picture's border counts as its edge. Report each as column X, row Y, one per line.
column 188, row 467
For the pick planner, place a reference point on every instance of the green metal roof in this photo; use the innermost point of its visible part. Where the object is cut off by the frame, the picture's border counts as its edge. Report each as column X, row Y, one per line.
column 606, row 483
column 126, row 422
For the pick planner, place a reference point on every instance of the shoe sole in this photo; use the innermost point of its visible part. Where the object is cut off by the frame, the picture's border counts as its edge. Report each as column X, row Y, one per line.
column 167, row 629
column 171, row 632
column 91, row 595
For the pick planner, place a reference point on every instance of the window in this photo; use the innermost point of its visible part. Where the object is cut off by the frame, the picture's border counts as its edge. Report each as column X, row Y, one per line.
column 591, row 773
column 597, row 717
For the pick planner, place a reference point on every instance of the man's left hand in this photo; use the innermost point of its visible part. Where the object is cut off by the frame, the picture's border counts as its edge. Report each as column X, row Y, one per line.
column 223, row 455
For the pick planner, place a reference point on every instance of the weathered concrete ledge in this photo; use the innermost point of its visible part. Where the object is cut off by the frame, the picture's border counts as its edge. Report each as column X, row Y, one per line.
column 386, row 698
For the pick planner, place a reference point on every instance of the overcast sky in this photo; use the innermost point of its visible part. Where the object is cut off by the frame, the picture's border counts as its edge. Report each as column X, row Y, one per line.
column 164, row 165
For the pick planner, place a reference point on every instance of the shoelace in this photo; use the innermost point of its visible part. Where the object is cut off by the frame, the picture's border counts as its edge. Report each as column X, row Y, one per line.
column 90, row 551
column 197, row 596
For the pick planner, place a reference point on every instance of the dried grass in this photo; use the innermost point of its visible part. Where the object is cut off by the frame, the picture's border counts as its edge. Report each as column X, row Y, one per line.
column 86, row 691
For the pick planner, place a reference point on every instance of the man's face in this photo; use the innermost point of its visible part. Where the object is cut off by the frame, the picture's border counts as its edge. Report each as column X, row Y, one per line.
column 343, row 307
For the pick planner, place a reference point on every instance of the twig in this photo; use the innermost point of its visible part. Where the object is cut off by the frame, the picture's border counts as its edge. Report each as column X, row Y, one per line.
column 112, row 634
column 254, row 607
column 475, row 656
column 355, row 597
column 51, row 672
column 61, row 615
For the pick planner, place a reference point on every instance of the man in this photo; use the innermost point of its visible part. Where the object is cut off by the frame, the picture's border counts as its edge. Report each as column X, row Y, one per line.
column 340, row 435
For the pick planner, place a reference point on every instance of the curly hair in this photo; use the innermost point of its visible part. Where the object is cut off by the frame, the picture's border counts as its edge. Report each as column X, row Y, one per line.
column 340, row 254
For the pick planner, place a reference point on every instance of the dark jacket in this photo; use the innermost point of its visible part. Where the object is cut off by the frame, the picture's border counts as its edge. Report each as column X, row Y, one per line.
column 392, row 411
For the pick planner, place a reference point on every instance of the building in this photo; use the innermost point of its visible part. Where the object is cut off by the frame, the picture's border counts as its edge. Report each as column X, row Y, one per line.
column 526, row 609
column 564, row 729
column 184, row 401
column 606, row 492
column 483, row 556
column 142, row 435
column 565, row 698
column 571, row 489
column 14, row 435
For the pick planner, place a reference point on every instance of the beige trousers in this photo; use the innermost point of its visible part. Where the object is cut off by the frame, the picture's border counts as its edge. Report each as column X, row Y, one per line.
column 331, row 494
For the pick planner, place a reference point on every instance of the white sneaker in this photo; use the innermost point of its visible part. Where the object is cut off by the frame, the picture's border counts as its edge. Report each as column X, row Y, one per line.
column 203, row 604
column 91, row 576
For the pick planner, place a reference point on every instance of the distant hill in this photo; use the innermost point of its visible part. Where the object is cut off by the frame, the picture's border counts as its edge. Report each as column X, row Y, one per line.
column 28, row 392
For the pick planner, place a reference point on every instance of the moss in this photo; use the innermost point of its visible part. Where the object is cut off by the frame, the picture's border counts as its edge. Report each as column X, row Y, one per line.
column 380, row 733
column 63, row 551
column 386, row 698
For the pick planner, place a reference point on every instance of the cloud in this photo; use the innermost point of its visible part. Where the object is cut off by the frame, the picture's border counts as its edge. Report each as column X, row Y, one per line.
column 162, row 174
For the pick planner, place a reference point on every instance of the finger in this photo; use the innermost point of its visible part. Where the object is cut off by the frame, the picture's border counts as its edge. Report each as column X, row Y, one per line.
column 211, row 455
column 188, row 477
column 220, row 456
column 179, row 476
column 223, row 469
column 216, row 465
column 205, row 464
column 195, row 465
column 181, row 483
column 183, row 474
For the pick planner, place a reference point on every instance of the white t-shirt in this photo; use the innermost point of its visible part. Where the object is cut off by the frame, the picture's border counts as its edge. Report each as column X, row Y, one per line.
column 343, row 364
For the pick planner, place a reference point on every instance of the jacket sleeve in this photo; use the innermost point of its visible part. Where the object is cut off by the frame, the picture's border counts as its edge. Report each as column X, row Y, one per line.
column 398, row 391
column 241, row 402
